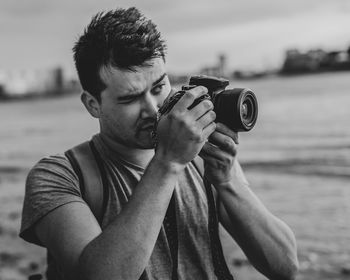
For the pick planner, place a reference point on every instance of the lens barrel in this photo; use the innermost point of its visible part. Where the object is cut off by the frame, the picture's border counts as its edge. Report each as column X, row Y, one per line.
column 237, row 108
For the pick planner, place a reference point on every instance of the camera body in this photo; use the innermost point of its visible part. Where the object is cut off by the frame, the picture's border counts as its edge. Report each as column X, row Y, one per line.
column 236, row 108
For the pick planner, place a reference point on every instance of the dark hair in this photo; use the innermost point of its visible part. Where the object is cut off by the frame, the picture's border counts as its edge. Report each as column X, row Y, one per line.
column 121, row 38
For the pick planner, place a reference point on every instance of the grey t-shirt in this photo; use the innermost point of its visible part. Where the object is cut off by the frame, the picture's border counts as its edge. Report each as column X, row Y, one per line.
column 52, row 183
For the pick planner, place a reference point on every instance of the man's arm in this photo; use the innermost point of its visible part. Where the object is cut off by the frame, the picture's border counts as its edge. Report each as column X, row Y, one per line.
column 267, row 241
column 122, row 250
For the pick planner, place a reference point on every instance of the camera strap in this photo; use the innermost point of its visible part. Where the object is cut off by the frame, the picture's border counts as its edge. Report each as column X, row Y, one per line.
column 220, row 267
column 170, row 227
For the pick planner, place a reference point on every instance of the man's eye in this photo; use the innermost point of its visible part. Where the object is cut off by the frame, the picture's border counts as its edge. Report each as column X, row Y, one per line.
column 128, row 101
column 158, row 88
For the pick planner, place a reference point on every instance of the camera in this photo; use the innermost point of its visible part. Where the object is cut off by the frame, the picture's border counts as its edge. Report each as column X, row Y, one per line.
column 237, row 108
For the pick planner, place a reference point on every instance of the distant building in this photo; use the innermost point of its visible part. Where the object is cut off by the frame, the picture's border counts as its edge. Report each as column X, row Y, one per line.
column 58, row 80
column 315, row 60
column 338, row 60
column 2, row 92
column 218, row 70
column 32, row 83
column 296, row 62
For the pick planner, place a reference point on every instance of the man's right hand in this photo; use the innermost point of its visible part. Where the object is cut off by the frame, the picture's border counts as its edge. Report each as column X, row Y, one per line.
column 182, row 132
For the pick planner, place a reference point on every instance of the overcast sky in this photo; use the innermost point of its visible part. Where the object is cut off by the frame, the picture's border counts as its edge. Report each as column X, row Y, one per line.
column 36, row 34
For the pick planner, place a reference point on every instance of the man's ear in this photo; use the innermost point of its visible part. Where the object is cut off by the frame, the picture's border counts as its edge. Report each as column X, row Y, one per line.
column 91, row 103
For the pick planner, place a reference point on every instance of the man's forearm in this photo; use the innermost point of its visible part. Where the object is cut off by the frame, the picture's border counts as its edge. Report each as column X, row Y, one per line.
column 123, row 249
column 267, row 241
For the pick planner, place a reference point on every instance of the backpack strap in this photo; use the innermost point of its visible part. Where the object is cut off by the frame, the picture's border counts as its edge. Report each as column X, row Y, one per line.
column 220, row 267
column 88, row 165
column 199, row 165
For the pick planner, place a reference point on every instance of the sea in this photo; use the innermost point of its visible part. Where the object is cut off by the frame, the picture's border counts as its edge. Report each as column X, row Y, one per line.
column 296, row 158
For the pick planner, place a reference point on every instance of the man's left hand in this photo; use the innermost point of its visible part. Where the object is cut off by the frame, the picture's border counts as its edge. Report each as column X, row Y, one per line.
column 219, row 155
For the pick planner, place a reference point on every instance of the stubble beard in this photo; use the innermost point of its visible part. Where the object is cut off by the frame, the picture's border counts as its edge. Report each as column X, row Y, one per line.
column 144, row 140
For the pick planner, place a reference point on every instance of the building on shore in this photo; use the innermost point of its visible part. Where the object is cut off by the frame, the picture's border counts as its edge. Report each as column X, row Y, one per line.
column 218, row 70
column 315, row 60
column 44, row 82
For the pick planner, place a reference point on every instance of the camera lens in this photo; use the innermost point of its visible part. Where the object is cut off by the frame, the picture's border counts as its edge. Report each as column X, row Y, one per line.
column 237, row 108
column 244, row 110
column 247, row 111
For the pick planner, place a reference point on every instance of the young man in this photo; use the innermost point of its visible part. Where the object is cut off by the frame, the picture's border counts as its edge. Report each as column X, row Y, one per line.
column 120, row 60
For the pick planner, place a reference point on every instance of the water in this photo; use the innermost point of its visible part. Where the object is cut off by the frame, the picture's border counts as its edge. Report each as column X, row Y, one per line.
column 303, row 121
column 297, row 159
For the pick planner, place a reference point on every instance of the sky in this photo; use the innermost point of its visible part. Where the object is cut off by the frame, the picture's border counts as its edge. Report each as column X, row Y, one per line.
column 253, row 34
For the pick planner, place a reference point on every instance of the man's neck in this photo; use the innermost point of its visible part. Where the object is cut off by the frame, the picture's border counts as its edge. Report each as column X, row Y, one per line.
column 140, row 157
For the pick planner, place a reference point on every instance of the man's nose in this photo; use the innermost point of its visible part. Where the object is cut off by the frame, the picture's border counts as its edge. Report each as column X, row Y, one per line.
column 151, row 105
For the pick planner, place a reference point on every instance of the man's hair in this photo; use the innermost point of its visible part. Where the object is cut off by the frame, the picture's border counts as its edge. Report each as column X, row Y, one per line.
column 121, row 38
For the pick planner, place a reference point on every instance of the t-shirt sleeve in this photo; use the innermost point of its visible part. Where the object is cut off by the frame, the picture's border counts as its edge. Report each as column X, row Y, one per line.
column 50, row 184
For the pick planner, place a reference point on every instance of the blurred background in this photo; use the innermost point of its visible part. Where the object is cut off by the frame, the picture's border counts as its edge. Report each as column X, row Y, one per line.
column 295, row 55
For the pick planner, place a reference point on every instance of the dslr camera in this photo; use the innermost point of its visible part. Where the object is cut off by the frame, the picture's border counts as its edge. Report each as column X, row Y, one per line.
column 237, row 108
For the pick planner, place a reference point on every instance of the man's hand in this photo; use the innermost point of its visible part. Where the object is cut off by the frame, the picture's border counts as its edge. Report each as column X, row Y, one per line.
column 219, row 155
column 182, row 132
column 268, row 242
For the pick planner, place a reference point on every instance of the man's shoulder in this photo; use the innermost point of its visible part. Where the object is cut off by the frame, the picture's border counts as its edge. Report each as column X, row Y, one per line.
column 53, row 163
column 59, row 162
column 50, row 184
column 54, row 158
column 52, row 170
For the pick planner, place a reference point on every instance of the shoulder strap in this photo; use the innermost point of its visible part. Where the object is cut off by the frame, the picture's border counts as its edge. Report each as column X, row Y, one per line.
column 220, row 267
column 199, row 165
column 88, row 166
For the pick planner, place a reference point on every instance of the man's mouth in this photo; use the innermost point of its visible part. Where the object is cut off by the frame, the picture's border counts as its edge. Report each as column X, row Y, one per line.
column 148, row 126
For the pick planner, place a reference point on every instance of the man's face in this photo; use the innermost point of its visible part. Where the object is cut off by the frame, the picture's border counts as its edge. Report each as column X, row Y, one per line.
column 129, row 104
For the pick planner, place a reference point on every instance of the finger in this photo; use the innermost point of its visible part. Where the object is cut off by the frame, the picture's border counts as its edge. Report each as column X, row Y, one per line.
column 227, row 131
column 209, row 151
column 207, row 119
column 189, row 97
column 202, row 108
column 209, row 129
column 224, row 142
column 208, row 160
